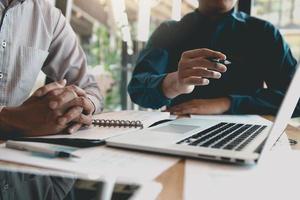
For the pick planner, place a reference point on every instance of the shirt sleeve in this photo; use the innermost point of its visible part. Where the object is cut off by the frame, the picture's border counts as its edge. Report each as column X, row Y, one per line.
column 278, row 68
column 145, row 87
column 66, row 60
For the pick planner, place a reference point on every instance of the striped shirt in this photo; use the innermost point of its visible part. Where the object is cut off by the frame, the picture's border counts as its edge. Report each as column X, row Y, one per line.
column 35, row 36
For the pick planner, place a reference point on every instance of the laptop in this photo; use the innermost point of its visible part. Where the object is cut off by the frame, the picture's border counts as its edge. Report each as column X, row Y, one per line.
column 235, row 142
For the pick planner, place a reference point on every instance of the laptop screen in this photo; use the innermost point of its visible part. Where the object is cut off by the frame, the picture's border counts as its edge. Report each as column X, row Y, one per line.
column 285, row 112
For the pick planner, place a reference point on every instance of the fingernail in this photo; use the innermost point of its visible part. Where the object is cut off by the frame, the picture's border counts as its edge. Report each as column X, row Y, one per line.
column 225, row 69
column 206, row 81
column 71, row 130
column 53, row 104
column 63, row 82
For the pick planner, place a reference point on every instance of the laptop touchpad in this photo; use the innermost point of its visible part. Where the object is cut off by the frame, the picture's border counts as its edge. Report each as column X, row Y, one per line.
column 174, row 128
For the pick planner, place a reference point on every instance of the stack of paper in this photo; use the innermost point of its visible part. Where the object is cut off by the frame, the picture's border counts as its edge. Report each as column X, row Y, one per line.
column 98, row 161
column 274, row 177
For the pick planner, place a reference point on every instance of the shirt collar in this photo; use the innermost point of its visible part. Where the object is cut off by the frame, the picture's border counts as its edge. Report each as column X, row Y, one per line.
column 240, row 16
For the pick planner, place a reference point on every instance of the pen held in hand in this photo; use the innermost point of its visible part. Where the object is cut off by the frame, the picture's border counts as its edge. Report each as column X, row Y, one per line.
column 224, row 62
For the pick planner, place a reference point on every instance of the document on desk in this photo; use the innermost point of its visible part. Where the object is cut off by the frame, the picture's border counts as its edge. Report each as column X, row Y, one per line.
column 231, row 182
column 146, row 117
column 97, row 161
column 274, row 177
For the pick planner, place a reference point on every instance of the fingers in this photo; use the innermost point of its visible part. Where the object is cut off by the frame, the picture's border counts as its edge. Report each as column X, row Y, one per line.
column 203, row 63
column 61, row 97
column 201, row 72
column 77, row 90
column 75, row 115
column 198, row 81
column 84, row 119
column 207, row 53
column 70, row 115
column 84, row 102
column 74, row 128
column 196, row 69
column 49, row 87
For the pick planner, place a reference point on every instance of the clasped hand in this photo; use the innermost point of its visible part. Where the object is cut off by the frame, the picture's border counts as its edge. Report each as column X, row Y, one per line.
column 52, row 109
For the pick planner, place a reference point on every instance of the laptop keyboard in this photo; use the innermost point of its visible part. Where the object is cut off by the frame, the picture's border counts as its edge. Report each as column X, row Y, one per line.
column 230, row 136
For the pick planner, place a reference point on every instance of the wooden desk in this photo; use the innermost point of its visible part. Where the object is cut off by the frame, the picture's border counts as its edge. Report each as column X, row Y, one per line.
column 173, row 179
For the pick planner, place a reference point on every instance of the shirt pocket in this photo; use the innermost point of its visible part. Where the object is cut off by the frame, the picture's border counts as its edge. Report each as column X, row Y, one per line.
column 31, row 61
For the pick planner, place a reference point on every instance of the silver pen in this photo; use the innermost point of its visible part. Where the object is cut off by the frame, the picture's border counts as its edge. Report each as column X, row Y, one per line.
column 33, row 147
column 224, row 62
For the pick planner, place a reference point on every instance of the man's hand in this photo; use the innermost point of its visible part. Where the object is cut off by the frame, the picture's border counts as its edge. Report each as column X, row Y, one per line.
column 54, row 108
column 194, row 69
column 77, row 108
column 32, row 118
column 202, row 107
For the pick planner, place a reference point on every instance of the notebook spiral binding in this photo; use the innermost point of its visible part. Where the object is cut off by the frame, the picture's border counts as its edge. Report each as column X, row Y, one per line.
column 117, row 123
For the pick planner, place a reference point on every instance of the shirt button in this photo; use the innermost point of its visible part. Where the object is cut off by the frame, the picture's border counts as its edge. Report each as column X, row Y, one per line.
column 4, row 44
column 5, row 187
column 1, row 75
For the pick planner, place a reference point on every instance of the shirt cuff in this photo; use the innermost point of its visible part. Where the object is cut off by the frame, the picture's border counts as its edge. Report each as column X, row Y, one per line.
column 159, row 94
column 240, row 105
column 98, row 104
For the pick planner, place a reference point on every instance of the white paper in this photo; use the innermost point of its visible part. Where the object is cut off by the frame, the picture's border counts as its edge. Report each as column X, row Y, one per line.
column 146, row 117
column 98, row 161
column 235, row 183
column 149, row 191
column 274, row 177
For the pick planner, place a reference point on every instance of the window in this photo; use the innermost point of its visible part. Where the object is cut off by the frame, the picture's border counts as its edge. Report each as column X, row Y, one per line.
column 283, row 14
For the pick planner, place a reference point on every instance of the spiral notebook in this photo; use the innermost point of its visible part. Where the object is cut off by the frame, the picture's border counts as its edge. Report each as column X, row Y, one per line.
column 112, row 124
column 118, row 123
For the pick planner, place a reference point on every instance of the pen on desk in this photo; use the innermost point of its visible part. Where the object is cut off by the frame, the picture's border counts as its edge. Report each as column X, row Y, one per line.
column 25, row 146
column 224, row 62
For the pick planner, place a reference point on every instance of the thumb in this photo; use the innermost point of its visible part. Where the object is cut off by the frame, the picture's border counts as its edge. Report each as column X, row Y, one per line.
column 49, row 87
column 63, row 82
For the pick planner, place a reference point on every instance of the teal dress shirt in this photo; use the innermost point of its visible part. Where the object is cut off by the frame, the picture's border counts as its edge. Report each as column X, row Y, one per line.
column 257, row 50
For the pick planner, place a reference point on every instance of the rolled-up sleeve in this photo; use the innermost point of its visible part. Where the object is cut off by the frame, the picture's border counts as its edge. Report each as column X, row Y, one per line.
column 66, row 60
column 145, row 87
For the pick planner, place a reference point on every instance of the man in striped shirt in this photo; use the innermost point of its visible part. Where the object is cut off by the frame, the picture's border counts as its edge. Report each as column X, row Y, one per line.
column 35, row 36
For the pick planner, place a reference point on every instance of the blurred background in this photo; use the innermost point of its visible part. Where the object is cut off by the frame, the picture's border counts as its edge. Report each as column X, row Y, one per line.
column 112, row 32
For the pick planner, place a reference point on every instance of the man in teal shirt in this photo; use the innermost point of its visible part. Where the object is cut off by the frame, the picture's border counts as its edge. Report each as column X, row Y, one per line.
column 175, row 68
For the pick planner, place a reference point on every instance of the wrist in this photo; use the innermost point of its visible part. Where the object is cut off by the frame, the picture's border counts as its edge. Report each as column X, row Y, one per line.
column 226, row 103
column 172, row 87
column 8, row 124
